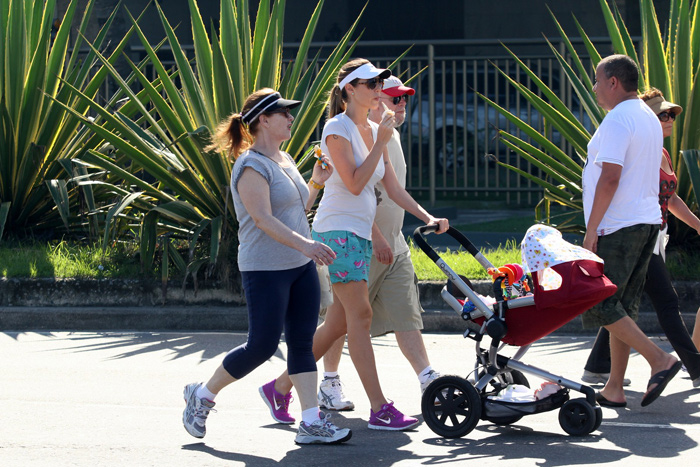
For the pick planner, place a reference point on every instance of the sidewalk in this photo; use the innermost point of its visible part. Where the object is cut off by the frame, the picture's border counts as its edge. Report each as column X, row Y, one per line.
column 115, row 399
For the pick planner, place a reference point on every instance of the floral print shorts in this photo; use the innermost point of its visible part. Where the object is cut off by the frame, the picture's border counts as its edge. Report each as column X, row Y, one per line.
column 353, row 255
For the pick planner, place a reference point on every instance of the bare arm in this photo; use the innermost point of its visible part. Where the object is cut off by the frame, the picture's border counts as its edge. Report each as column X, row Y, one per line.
column 380, row 247
column 255, row 195
column 401, row 197
column 604, row 192
column 319, row 176
column 355, row 178
column 678, row 208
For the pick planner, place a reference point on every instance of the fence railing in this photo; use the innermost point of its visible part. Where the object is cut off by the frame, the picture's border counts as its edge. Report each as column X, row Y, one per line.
column 450, row 136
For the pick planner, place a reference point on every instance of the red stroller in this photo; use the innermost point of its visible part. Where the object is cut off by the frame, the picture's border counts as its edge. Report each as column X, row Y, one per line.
column 564, row 284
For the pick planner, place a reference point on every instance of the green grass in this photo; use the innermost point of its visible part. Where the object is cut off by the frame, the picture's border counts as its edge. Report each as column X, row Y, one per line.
column 62, row 259
column 462, row 262
column 67, row 260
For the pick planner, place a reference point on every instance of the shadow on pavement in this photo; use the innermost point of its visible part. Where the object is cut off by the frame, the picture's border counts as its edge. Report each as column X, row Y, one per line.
column 136, row 343
column 559, row 449
column 185, row 344
column 367, row 447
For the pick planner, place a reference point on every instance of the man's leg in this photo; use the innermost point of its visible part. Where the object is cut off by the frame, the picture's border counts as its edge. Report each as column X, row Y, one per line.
column 413, row 348
column 624, row 334
column 627, row 253
column 396, row 308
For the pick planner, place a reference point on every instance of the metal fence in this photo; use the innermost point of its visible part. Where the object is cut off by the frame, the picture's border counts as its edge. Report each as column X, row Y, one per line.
column 450, row 136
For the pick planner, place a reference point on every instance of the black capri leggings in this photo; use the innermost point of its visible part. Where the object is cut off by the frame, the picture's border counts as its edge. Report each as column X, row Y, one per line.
column 287, row 299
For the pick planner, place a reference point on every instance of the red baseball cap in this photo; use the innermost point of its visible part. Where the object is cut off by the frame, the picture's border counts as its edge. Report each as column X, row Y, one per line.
column 394, row 87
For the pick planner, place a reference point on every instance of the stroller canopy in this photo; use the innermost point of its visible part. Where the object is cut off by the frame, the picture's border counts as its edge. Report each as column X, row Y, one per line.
column 544, row 247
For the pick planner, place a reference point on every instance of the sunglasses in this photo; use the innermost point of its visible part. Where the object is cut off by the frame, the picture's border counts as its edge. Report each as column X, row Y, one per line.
column 373, row 83
column 283, row 110
column 396, row 100
column 666, row 116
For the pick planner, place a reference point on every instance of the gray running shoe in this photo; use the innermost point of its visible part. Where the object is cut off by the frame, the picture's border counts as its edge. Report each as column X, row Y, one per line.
column 194, row 417
column 331, row 396
column 322, row 432
column 600, row 378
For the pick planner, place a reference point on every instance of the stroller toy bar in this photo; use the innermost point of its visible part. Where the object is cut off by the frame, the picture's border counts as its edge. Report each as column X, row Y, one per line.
column 513, row 280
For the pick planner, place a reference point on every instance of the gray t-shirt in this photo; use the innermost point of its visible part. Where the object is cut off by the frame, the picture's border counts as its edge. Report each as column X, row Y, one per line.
column 288, row 194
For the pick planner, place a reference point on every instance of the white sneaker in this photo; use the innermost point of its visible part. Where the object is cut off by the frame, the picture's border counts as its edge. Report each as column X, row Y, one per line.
column 322, row 432
column 432, row 376
column 194, row 417
column 600, row 378
column 331, row 397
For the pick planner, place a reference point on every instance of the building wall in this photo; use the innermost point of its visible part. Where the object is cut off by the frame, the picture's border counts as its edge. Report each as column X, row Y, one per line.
column 390, row 20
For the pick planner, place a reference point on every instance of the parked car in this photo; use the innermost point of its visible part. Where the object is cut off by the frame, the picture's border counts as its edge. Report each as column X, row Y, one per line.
column 461, row 116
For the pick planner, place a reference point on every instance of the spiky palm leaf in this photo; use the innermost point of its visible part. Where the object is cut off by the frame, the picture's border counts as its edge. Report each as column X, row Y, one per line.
column 35, row 133
column 167, row 125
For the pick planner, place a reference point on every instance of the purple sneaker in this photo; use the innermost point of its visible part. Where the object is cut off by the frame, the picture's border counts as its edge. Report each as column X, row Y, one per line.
column 389, row 418
column 277, row 403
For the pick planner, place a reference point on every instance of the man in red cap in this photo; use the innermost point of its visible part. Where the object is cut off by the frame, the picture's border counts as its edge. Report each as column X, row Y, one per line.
column 393, row 289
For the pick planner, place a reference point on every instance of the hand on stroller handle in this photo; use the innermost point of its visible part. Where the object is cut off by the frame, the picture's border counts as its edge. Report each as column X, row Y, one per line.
column 441, row 224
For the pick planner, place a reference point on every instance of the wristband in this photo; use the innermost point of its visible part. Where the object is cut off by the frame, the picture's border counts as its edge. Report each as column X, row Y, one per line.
column 315, row 185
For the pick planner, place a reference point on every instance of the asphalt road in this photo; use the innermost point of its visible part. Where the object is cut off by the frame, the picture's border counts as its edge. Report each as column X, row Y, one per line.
column 115, row 399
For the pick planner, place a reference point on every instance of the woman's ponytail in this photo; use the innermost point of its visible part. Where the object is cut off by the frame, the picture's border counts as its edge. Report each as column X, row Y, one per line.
column 233, row 136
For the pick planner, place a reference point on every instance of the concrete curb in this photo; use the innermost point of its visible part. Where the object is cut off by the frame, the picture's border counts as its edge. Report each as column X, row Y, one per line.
column 49, row 305
column 109, row 293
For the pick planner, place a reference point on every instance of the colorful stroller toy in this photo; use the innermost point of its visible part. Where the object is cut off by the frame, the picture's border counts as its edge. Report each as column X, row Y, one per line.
column 565, row 280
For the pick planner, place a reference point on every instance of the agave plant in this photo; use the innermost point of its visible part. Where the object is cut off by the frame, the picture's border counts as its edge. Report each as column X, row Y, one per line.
column 668, row 61
column 38, row 74
column 163, row 129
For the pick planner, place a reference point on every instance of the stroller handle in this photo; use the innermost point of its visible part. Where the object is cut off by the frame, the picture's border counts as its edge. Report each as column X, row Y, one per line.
column 419, row 238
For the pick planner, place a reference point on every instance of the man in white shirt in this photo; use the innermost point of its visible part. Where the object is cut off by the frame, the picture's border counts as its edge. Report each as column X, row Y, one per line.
column 621, row 207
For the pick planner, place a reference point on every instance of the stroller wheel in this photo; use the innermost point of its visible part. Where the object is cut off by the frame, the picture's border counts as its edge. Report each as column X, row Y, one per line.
column 513, row 377
column 577, row 417
column 598, row 417
column 451, row 406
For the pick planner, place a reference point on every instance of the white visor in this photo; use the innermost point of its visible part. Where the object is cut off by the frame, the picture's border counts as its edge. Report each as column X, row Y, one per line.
column 366, row 71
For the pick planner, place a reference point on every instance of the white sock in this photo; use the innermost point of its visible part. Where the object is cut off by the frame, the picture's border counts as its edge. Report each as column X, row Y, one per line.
column 204, row 393
column 423, row 375
column 330, row 374
column 309, row 416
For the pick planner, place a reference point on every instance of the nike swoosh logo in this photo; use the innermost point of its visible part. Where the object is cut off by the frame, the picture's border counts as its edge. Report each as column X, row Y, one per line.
column 277, row 406
column 387, row 421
